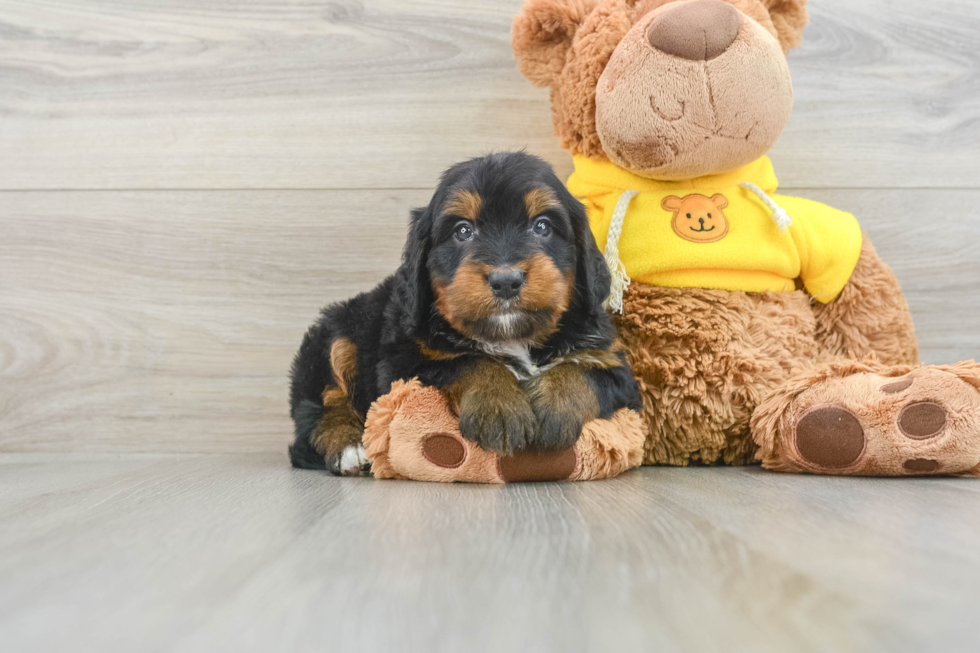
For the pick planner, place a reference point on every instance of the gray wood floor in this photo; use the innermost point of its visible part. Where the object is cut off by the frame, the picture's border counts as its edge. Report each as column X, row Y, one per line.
column 184, row 183
column 239, row 552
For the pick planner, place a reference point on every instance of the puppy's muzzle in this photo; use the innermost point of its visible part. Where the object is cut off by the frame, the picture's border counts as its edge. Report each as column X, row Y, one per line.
column 506, row 283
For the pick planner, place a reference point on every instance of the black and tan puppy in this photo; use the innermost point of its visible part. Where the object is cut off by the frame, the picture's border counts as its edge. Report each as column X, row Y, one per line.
column 498, row 302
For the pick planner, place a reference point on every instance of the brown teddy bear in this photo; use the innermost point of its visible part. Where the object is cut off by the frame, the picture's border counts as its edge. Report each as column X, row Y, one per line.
column 759, row 326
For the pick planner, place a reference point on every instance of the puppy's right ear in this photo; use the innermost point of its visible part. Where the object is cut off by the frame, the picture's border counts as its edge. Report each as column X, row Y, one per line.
column 542, row 34
column 413, row 285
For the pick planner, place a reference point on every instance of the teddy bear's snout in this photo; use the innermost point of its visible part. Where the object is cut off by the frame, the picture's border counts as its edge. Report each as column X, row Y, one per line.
column 699, row 30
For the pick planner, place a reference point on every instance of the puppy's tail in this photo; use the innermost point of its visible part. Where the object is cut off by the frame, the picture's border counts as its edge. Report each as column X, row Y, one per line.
column 302, row 455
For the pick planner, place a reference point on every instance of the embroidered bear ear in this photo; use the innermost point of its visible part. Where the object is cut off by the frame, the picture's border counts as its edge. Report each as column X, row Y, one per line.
column 720, row 201
column 672, row 203
column 542, row 34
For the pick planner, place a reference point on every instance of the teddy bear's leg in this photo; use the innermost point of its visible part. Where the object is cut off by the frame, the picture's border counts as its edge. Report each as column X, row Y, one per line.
column 870, row 316
column 704, row 359
column 864, row 418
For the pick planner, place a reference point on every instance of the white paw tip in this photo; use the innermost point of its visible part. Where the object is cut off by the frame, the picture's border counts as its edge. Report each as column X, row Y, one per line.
column 353, row 459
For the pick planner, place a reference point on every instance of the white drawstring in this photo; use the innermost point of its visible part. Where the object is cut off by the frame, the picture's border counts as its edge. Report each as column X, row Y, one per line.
column 619, row 281
column 779, row 215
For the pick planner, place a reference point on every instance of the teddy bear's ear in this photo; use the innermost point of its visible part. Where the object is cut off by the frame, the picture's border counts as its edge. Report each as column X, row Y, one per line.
column 542, row 34
column 789, row 17
column 720, row 201
column 672, row 203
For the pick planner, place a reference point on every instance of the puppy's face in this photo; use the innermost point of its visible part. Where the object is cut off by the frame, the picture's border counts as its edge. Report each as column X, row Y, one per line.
column 503, row 256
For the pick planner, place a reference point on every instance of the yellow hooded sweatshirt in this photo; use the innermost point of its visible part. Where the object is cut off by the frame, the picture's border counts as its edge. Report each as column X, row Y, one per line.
column 727, row 231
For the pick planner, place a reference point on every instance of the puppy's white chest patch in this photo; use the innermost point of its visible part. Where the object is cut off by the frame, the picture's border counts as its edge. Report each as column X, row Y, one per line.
column 519, row 356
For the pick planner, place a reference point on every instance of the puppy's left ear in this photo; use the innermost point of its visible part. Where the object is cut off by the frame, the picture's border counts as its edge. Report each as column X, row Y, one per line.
column 591, row 273
column 412, row 283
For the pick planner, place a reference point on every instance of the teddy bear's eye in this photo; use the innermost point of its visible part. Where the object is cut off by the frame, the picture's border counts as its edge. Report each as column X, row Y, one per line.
column 688, row 216
column 709, row 216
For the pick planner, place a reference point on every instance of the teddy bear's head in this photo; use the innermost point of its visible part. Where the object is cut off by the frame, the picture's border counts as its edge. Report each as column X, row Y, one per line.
column 668, row 89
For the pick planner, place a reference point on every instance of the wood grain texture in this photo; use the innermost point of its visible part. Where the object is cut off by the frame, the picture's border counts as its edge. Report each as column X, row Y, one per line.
column 166, row 321
column 887, row 96
column 387, row 93
column 239, row 552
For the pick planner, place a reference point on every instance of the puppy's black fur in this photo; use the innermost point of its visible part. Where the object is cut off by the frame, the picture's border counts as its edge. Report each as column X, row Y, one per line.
column 498, row 302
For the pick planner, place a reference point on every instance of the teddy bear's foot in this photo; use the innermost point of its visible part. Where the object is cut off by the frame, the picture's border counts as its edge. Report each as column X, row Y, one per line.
column 411, row 433
column 861, row 419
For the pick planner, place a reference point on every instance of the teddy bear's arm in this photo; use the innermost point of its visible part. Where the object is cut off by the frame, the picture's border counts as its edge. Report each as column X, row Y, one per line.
column 870, row 315
column 868, row 312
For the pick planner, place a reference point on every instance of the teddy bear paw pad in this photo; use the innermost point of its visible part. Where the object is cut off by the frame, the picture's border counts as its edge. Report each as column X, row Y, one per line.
column 538, row 467
column 921, row 465
column 923, row 420
column 830, row 436
column 443, row 450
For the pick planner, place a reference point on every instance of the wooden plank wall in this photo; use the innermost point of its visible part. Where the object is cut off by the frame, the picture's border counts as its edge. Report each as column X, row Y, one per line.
column 183, row 183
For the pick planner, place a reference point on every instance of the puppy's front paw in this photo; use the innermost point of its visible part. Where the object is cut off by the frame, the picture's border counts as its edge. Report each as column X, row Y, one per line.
column 558, row 429
column 562, row 402
column 497, row 421
column 352, row 461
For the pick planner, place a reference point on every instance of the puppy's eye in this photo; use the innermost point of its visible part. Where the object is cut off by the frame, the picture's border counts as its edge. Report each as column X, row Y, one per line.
column 542, row 228
column 463, row 231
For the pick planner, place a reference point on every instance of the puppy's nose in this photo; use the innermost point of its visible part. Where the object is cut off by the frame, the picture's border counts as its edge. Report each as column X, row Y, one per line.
column 506, row 284
column 699, row 30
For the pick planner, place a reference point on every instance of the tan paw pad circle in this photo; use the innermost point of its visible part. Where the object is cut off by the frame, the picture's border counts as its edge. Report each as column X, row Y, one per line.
column 921, row 465
column 830, row 437
column 922, row 420
column 444, row 450
column 537, row 467
column 897, row 386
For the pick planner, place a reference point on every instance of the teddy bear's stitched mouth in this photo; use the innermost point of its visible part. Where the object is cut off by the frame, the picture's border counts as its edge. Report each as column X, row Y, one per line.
column 665, row 117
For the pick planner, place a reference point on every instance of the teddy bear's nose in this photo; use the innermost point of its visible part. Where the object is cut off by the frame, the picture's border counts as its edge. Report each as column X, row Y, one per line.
column 699, row 30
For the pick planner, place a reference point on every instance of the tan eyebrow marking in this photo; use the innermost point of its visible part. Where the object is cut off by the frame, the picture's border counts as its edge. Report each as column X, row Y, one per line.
column 464, row 203
column 540, row 200
column 343, row 361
